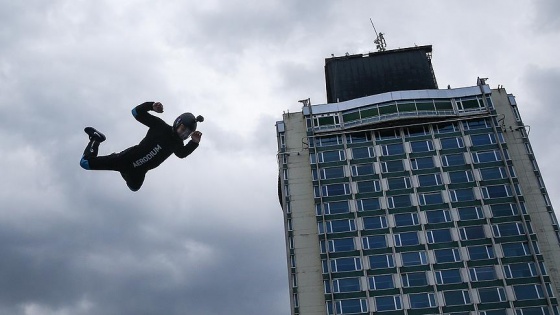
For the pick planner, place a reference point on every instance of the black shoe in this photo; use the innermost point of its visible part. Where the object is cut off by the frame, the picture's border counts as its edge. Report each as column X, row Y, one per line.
column 94, row 134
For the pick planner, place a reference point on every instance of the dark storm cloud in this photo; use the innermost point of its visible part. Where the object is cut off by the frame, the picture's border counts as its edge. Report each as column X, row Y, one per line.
column 205, row 234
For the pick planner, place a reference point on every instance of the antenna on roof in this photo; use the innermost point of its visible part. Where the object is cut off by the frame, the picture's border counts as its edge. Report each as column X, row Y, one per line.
column 379, row 41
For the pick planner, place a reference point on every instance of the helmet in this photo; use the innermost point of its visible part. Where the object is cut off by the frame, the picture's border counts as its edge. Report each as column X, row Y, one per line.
column 189, row 121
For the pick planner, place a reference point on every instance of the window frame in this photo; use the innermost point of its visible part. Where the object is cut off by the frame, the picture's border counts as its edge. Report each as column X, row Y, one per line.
column 449, row 144
column 421, row 146
column 425, row 180
column 414, row 279
column 444, row 276
column 415, row 166
column 430, row 299
column 448, row 160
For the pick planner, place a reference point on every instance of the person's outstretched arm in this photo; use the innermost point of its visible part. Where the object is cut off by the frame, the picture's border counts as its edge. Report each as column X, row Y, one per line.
column 141, row 114
column 187, row 149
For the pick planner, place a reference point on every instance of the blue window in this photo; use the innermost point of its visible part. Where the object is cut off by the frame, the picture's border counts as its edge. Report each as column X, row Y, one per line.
column 438, row 236
column 497, row 191
column 328, row 156
column 372, row 223
column 460, row 177
column 414, row 279
column 422, row 146
column 375, row 241
column 483, row 139
column 381, row 261
column 392, row 149
column 458, row 195
column 369, row 186
column 350, row 306
column 332, row 172
column 447, row 255
column 406, row 219
column 359, row 137
column 448, row 276
column 483, row 273
column 346, row 264
column 339, row 245
column 326, row 141
column 399, row 183
column 422, row 163
column 430, row 180
column 381, row 282
column 363, row 169
column 493, row 312
column 445, row 128
column 430, row 198
column 515, row 249
column 388, row 303
column 392, row 166
column 337, row 207
column 492, row 295
column 406, row 239
column 398, row 201
column 344, row 285
column 363, row 153
column 332, row 190
column 470, row 213
column 476, row 124
column 453, row 159
column 414, row 258
column 328, row 173
column 337, row 226
column 537, row 310
column 369, row 204
column 508, row 229
column 438, row 216
column 520, row 270
column 481, row 252
column 474, row 232
column 486, row 156
column 493, row 173
column 416, row 131
column 452, row 143
column 528, row 291
column 422, row 300
column 386, row 134
column 458, row 297
column 504, row 210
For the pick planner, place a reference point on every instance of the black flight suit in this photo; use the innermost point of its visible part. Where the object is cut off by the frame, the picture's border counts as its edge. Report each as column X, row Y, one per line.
column 133, row 163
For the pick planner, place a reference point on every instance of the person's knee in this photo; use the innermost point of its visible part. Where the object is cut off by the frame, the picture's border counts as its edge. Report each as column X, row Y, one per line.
column 134, row 187
column 84, row 164
column 133, row 180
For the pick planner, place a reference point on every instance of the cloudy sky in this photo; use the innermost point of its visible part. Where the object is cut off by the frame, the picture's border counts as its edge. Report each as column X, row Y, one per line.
column 204, row 235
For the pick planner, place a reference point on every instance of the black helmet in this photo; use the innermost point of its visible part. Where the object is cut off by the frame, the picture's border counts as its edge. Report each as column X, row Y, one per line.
column 189, row 121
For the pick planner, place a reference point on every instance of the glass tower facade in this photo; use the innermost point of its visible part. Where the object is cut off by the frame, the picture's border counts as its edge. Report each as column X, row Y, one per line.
column 416, row 202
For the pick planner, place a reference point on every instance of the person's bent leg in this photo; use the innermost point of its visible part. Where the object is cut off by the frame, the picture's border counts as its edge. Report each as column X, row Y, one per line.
column 91, row 150
column 134, row 180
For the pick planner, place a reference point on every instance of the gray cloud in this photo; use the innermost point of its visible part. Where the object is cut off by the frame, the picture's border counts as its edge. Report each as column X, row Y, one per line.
column 546, row 16
column 204, row 235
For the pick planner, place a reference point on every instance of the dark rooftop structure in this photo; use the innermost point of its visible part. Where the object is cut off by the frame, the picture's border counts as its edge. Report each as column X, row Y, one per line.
column 353, row 76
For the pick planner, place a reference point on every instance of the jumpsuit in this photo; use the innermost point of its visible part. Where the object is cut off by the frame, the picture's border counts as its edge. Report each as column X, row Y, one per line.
column 133, row 163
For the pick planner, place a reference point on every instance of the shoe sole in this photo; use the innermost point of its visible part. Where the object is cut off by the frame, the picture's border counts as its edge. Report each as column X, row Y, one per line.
column 93, row 133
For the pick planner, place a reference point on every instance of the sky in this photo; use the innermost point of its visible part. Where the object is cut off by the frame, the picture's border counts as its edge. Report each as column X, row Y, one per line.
column 205, row 234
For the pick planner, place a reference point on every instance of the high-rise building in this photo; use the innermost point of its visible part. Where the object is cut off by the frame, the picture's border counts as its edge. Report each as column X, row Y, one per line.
column 415, row 201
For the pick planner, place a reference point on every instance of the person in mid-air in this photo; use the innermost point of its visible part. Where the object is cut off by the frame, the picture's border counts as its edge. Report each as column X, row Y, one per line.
column 159, row 143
